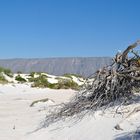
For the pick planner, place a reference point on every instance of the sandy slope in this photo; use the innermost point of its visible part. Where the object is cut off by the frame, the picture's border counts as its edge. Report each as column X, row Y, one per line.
column 18, row 120
column 16, row 113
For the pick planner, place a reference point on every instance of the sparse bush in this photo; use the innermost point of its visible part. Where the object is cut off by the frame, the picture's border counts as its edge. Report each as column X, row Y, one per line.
column 8, row 72
column 32, row 74
column 68, row 75
column 1, row 69
column 2, row 79
column 40, row 81
column 53, row 86
column 59, row 78
column 20, row 79
column 44, row 75
column 31, row 79
column 67, row 84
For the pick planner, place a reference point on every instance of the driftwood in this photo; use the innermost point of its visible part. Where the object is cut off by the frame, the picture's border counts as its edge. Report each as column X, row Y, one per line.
column 111, row 85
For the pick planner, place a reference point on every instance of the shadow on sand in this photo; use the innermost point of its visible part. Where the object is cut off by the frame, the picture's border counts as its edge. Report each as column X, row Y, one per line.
column 135, row 135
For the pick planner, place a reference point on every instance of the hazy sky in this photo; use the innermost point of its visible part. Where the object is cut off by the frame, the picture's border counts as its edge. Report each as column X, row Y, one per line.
column 58, row 28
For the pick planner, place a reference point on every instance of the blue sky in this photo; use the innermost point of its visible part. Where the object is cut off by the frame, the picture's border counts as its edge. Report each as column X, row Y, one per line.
column 67, row 28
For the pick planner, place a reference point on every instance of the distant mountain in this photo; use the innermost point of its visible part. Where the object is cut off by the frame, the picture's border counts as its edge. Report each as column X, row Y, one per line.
column 57, row 66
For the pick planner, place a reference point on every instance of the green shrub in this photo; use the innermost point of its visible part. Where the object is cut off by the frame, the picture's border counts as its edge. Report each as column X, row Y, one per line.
column 68, row 75
column 70, row 84
column 32, row 74
column 65, row 84
column 40, row 81
column 31, row 79
column 2, row 79
column 59, row 78
column 8, row 72
column 20, row 79
column 1, row 69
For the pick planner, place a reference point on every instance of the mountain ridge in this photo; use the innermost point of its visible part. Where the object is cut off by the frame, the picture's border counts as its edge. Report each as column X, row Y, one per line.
column 84, row 66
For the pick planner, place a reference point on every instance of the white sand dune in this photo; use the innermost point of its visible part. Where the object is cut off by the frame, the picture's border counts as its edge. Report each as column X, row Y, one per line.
column 18, row 119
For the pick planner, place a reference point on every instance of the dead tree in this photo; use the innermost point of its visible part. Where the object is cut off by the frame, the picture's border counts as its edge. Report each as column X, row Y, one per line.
column 112, row 84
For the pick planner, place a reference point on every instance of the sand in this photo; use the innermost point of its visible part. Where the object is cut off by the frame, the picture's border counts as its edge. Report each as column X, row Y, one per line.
column 18, row 120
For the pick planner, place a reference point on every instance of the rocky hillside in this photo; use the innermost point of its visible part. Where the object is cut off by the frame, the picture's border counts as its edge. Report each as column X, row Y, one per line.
column 57, row 66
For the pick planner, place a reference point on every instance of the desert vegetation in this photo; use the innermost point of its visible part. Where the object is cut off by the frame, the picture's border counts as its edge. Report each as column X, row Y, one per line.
column 42, row 82
column 32, row 74
column 20, row 79
column 2, row 79
column 8, row 72
column 66, row 84
column 3, row 72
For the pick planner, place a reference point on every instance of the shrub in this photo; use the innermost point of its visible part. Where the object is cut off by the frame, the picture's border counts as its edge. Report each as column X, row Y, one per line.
column 2, row 79
column 20, row 79
column 40, row 81
column 1, row 69
column 8, row 72
column 67, row 75
column 31, row 79
column 66, row 84
column 32, row 74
